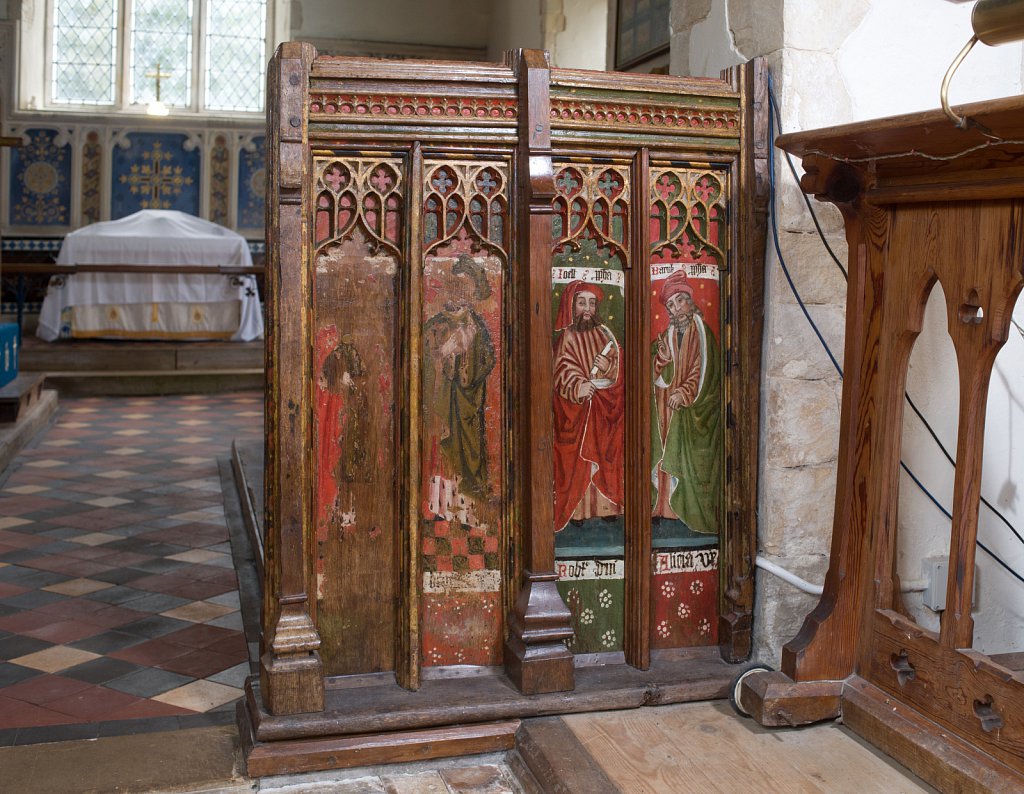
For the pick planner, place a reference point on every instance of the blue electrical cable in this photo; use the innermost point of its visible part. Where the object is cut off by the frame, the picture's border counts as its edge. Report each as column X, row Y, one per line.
column 772, row 116
column 949, row 515
column 778, row 247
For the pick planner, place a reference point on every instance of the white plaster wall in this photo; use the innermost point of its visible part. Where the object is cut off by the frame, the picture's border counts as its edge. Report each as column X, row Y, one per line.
column 452, row 23
column 833, row 62
column 582, row 43
column 514, row 24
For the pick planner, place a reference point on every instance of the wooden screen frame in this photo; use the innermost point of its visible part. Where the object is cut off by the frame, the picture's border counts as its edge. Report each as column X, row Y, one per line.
column 527, row 111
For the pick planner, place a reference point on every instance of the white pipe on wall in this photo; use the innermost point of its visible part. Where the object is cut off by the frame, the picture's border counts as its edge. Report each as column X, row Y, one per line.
column 816, row 589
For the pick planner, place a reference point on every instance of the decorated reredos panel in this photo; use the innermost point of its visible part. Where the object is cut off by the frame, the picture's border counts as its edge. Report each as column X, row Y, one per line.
column 430, row 218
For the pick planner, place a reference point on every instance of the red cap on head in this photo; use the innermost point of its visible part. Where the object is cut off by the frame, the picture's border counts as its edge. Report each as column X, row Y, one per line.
column 673, row 285
column 572, row 289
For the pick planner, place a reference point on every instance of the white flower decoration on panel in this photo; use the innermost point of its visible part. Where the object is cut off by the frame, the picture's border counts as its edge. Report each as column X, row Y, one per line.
column 608, row 638
column 604, row 598
column 696, row 586
column 663, row 629
column 668, row 589
column 704, row 627
column 683, row 611
column 587, row 617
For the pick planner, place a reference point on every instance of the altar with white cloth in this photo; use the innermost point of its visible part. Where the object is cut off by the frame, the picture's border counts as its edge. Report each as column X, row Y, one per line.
column 151, row 305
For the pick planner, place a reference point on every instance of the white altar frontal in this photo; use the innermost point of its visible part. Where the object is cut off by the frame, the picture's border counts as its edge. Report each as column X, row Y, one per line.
column 147, row 305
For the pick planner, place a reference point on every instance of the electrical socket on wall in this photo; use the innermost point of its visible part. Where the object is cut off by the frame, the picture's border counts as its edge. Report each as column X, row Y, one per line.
column 936, row 572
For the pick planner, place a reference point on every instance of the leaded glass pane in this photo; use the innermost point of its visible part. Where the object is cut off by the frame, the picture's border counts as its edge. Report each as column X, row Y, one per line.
column 235, row 54
column 84, row 51
column 162, row 38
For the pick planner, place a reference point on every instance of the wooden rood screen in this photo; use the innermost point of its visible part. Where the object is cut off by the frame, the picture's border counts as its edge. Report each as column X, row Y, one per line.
column 513, row 360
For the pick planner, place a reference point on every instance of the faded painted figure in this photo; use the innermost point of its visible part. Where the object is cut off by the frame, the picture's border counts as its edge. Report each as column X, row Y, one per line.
column 343, row 376
column 458, row 357
column 687, row 416
column 588, row 406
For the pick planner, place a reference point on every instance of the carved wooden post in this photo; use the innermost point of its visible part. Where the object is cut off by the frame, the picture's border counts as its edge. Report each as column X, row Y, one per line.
column 291, row 674
column 746, row 309
column 536, row 658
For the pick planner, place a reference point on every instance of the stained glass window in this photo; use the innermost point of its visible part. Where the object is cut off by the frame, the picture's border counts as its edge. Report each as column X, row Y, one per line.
column 235, row 44
column 209, row 54
column 84, row 66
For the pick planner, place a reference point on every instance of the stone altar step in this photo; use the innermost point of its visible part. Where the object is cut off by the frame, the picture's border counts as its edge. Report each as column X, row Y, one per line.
column 14, row 436
column 19, row 396
column 107, row 367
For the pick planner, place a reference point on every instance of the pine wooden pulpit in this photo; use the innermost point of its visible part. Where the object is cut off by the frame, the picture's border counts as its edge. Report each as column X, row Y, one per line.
column 923, row 202
column 513, row 370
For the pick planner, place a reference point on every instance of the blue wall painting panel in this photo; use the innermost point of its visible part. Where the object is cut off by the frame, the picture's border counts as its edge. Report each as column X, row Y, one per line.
column 251, row 186
column 154, row 172
column 40, row 193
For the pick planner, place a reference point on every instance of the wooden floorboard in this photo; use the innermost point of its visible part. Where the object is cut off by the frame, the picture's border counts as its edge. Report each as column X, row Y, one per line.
column 706, row 747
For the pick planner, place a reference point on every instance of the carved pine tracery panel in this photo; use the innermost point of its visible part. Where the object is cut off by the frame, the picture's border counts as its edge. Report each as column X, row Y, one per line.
column 591, row 249
column 464, row 425
column 358, row 229
column 688, row 256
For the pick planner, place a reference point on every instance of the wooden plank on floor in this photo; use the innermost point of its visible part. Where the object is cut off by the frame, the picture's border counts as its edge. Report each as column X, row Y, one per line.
column 556, row 760
column 706, row 747
column 344, row 752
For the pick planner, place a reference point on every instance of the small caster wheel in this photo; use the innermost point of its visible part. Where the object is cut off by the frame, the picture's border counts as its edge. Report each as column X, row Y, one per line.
column 734, row 690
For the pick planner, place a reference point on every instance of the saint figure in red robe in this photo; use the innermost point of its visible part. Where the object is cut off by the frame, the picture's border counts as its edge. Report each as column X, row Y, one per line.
column 588, row 406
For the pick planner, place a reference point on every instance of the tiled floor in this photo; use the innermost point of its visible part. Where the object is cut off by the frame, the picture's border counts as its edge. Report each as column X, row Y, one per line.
column 119, row 608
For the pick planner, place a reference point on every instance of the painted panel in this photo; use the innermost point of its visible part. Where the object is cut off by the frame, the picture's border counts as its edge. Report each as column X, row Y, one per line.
column 465, row 212
column 588, row 304
column 220, row 175
column 358, row 257
column 92, row 169
column 155, row 171
column 40, row 192
column 685, row 596
column 252, row 183
column 688, row 240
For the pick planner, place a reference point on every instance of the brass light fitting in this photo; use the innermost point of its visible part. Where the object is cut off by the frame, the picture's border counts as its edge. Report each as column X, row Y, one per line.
column 994, row 22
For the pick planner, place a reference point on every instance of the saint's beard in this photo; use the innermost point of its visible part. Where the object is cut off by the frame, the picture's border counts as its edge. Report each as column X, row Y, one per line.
column 582, row 323
column 682, row 321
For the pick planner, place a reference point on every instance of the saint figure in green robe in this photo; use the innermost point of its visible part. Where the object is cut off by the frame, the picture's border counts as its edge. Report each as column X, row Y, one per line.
column 686, row 437
column 459, row 355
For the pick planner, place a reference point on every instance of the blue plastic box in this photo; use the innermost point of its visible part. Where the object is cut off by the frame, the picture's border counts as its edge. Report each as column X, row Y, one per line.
column 8, row 353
